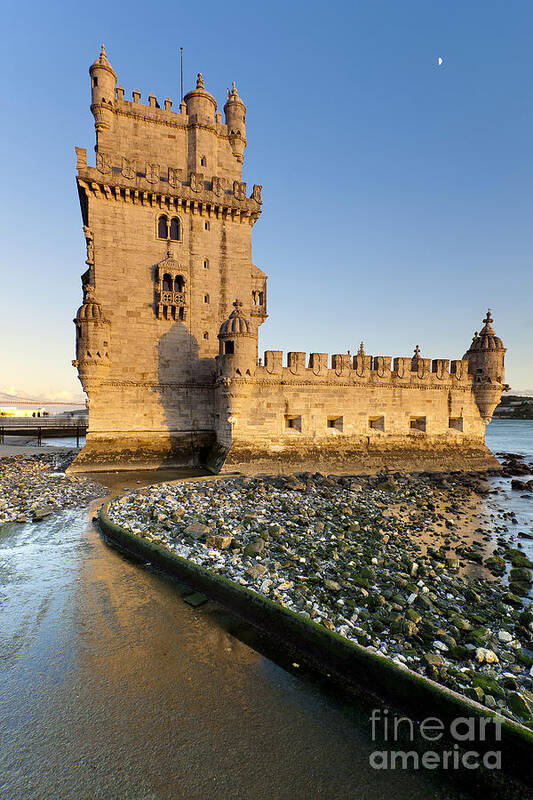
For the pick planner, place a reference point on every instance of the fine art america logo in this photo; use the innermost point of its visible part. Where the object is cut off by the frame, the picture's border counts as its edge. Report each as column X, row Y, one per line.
column 461, row 744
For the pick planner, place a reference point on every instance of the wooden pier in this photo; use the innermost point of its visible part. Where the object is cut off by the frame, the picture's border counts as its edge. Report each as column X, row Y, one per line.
column 47, row 426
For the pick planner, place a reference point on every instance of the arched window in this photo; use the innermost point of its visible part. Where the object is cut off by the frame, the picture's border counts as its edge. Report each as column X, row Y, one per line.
column 261, row 298
column 175, row 229
column 167, row 283
column 162, row 227
column 206, row 335
column 179, row 283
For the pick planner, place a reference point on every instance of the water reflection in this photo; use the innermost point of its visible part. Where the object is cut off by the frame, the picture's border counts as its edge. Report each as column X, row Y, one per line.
column 111, row 686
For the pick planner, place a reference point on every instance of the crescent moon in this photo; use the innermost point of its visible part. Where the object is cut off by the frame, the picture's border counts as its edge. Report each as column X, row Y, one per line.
column 439, row 61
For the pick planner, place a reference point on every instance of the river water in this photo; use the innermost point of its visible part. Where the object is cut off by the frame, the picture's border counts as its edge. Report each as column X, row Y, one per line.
column 112, row 687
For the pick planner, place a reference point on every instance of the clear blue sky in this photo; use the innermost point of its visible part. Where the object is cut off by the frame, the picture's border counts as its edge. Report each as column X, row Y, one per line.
column 398, row 196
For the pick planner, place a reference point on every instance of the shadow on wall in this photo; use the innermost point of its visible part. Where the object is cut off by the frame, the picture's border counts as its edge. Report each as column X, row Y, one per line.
column 187, row 395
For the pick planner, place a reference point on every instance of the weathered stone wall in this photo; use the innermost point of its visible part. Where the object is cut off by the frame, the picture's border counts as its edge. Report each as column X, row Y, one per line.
column 339, row 420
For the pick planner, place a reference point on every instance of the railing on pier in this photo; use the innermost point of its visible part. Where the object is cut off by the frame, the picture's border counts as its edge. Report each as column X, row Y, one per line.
column 49, row 426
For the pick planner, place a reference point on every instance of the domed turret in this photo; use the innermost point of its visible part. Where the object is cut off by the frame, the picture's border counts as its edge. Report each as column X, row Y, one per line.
column 485, row 358
column 235, row 112
column 103, row 88
column 238, row 344
column 92, row 341
column 201, row 105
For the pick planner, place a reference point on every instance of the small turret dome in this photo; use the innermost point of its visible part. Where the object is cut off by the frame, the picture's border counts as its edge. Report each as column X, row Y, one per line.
column 103, row 63
column 486, row 339
column 197, row 99
column 236, row 322
column 91, row 308
column 233, row 98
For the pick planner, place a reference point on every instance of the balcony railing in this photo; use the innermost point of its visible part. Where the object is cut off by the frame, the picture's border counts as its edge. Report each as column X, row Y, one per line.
column 172, row 299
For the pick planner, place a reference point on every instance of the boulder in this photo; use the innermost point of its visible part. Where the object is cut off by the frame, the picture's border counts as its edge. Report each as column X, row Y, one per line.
column 219, row 542
column 256, row 571
column 486, row 656
column 254, row 548
column 196, row 530
column 519, row 705
column 40, row 513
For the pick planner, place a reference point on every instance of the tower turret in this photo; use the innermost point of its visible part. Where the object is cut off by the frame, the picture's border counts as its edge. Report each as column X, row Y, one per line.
column 235, row 112
column 201, row 106
column 237, row 345
column 92, row 342
column 103, row 88
column 485, row 358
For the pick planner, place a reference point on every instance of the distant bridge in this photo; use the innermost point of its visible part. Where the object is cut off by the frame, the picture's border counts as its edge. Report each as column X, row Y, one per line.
column 49, row 426
column 28, row 401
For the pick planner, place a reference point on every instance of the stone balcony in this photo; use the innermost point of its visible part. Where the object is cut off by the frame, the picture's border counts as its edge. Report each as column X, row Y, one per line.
column 172, row 298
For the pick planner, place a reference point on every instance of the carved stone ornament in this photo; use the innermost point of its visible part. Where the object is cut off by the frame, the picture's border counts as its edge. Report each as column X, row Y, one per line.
column 90, row 245
column 256, row 193
column 152, row 173
column 217, row 185
column 239, row 190
column 103, row 163
column 128, row 168
column 197, row 180
column 169, row 264
column 174, row 176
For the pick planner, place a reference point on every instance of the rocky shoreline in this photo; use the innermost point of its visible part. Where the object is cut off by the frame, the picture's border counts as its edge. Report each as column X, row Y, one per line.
column 33, row 487
column 392, row 562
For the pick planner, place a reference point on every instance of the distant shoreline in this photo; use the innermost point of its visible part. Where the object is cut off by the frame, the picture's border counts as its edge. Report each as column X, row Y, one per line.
column 514, row 407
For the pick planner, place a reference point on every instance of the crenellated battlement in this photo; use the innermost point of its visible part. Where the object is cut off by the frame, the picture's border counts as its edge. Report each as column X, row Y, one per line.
column 363, row 368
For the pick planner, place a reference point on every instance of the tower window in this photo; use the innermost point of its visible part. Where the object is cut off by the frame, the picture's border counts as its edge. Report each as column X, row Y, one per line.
column 336, row 423
column 229, row 348
column 417, row 424
column 293, row 423
column 95, row 82
column 162, row 227
column 206, row 226
column 203, row 161
column 175, row 229
column 206, row 263
column 456, row 423
column 167, row 283
column 376, row 423
column 206, row 335
column 206, row 298
column 179, row 283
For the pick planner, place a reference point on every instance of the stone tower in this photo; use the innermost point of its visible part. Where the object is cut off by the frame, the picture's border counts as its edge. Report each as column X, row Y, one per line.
column 167, row 221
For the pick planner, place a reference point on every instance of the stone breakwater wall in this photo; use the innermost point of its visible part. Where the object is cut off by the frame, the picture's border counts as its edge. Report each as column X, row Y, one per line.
column 334, row 654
